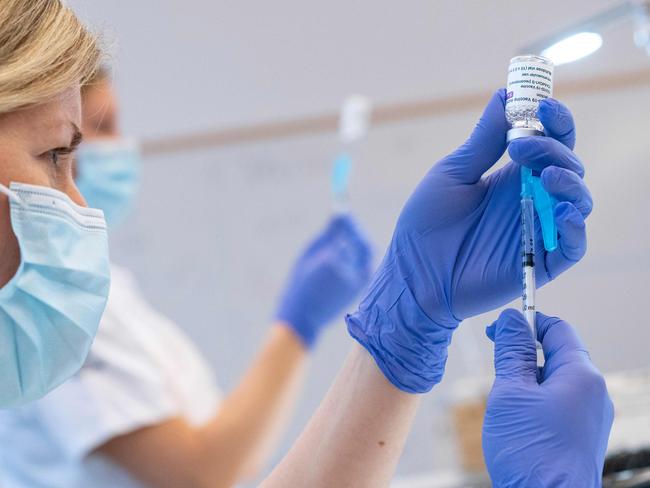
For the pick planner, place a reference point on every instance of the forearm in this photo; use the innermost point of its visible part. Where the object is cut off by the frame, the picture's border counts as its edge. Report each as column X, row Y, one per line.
column 356, row 436
column 254, row 415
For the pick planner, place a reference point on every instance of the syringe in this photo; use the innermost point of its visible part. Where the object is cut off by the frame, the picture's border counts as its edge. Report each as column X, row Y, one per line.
column 353, row 127
column 341, row 181
column 530, row 80
column 528, row 254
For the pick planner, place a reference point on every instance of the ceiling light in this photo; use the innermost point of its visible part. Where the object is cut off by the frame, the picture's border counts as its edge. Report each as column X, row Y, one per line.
column 573, row 47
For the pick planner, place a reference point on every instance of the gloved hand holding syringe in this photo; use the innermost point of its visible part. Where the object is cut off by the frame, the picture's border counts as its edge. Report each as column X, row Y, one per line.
column 530, row 80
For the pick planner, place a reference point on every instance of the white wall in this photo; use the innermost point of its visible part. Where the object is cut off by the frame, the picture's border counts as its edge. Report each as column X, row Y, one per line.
column 195, row 64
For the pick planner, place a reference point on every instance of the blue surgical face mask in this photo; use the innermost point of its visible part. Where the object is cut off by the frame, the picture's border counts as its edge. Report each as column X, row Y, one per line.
column 50, row 309
column 108, row 175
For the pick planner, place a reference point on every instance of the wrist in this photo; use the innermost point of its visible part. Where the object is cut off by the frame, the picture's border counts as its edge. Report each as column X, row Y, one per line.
column 408, row 346
column 285, row 332
column 305, row 336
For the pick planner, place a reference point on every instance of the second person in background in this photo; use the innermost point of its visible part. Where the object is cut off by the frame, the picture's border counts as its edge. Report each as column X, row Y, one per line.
column 144, row 409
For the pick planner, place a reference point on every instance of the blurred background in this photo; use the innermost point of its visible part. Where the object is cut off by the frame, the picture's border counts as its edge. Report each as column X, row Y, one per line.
column 221, row 217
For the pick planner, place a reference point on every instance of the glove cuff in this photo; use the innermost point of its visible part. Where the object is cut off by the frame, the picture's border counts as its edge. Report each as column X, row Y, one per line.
column 409, row 348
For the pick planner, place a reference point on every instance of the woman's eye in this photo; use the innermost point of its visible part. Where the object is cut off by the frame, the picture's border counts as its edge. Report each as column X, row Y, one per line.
column 54, row 156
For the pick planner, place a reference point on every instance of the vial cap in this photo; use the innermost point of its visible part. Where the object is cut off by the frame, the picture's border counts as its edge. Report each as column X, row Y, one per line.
column 519, row 132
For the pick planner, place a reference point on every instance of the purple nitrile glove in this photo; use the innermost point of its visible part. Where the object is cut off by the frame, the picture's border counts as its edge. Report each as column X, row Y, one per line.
column 548, row 428
column 326, row 278
column 455, row 252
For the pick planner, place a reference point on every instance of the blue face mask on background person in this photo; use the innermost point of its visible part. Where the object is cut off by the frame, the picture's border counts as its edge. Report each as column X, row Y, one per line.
column 50, row 309
column 108, row 175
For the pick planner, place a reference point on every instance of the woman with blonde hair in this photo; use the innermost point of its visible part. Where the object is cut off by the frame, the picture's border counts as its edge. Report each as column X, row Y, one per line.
column 445, row 263
column 54, row 273
column 145, row 408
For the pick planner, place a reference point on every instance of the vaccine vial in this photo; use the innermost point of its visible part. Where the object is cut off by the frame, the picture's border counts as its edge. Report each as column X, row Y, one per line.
column 530, row 80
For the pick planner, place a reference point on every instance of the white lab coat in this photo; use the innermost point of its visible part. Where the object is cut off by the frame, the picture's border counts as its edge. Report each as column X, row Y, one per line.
column 142, row 370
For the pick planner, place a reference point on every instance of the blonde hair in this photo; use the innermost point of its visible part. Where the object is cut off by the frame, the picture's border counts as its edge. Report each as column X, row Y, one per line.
column 102, row 74
column 44, row 51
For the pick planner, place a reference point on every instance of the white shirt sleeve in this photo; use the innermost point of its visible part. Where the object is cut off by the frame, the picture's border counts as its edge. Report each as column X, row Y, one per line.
column 100, row 404
column 134, row 377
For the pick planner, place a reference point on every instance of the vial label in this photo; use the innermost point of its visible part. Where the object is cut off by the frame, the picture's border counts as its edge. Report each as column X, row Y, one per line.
column 528, row 83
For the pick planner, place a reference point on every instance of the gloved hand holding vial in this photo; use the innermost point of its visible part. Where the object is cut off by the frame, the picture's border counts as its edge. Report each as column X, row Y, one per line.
column 454, row 253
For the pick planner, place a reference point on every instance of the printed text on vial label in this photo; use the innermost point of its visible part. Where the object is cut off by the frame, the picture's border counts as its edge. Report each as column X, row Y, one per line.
column 528, row 84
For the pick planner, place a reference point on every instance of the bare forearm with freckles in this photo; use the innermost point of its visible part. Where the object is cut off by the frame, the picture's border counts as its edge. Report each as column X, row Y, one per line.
column 356, row 436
